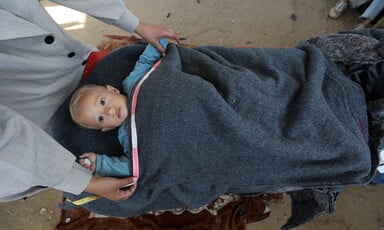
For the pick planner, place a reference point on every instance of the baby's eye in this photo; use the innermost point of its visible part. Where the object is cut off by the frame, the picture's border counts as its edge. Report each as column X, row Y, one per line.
column 102, row 101
column 101, row 119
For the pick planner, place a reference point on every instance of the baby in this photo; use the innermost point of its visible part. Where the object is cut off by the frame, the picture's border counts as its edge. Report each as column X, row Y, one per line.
column 105, row 108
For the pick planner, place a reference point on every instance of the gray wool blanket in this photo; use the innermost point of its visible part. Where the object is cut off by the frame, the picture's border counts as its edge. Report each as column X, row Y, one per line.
column 216, row 120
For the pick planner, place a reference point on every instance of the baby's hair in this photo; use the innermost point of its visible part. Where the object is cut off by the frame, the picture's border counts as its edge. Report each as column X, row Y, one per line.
column 76, row 96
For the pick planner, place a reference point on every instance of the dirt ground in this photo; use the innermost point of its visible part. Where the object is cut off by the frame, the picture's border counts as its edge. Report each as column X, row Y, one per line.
column 258, row 23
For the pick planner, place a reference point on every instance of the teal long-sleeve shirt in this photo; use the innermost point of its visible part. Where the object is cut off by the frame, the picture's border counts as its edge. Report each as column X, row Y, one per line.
column 121, row 166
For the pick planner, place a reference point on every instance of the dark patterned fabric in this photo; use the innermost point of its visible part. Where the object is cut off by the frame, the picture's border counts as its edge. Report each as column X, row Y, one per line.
column 234, row 215
column 349, row 48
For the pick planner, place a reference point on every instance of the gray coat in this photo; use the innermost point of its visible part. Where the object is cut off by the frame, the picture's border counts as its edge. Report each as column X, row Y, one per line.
column 40, row 66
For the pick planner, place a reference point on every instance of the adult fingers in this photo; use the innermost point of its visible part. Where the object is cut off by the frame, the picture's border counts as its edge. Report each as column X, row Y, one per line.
column 158, row 46
column 127, row 187
column 169, row 33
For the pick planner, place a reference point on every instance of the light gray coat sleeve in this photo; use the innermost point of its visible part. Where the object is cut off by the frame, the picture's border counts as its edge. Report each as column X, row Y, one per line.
column 113, row 12
column 31, row 161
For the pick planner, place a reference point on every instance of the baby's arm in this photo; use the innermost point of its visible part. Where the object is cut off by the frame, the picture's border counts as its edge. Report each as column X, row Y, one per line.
column 104, row 165
column 146, row 60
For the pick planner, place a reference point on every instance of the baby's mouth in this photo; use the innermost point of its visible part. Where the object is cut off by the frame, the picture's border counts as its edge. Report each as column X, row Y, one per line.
column 119, row 112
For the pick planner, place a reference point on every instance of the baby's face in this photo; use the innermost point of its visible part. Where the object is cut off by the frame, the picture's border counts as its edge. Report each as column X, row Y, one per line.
column 102, row 108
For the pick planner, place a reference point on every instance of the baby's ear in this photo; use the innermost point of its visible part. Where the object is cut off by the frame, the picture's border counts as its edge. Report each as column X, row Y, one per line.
column 112, row 89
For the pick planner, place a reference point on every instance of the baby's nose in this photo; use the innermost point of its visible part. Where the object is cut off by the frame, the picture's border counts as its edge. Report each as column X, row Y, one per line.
column 110, row 110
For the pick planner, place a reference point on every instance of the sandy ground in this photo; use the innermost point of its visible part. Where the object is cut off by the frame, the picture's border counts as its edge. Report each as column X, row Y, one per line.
column 258, row 23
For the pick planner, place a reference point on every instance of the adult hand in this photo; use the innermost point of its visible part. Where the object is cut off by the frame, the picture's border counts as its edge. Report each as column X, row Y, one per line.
column 153, row 33
column 110, row 187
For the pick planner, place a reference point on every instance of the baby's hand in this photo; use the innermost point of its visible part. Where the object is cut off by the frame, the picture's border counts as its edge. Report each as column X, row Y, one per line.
column 88, row 161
